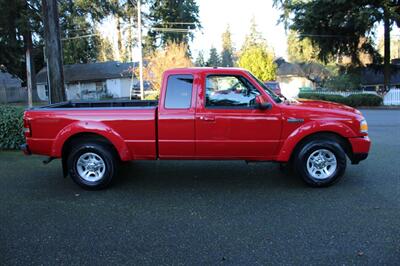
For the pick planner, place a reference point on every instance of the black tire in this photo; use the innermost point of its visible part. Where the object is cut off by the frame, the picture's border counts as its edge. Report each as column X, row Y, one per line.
column 308, row 148
column 105, row 152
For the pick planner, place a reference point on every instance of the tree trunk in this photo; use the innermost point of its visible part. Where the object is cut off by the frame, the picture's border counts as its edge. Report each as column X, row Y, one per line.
column 53, row 51
column 386, row 67
column 119, row 36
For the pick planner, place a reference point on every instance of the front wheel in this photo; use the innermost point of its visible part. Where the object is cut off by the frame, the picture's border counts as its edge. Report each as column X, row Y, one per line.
column 320, row 163
column 92, row 165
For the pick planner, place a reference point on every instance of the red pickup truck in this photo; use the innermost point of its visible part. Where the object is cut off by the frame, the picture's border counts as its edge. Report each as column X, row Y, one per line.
column 202, row 114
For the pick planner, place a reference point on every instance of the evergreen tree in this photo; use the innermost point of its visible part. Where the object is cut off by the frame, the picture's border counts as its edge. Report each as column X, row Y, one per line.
column 179, row 17
column 200, row 62
column 256, row 57
column 214, row 60
column 227, row 49
column 343, row 27
column 301, row 50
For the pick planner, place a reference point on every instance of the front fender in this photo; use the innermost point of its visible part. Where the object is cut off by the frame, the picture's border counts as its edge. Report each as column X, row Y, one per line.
column 90, row 127
column 308, row 129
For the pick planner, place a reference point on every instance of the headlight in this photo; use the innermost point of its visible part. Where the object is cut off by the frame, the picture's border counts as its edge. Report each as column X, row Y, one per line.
column 363, row 126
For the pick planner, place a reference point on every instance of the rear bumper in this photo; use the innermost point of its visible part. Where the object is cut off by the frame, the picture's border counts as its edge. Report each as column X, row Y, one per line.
column 25, row 149
column 360, row 149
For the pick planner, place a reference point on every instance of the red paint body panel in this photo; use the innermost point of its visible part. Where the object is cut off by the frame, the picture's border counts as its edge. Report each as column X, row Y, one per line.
column 197, row 132
column 131, row 131
column 360, row 145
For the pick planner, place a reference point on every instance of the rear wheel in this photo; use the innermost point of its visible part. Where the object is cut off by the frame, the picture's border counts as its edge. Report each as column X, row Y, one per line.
column 92, row 165
column 320, row 162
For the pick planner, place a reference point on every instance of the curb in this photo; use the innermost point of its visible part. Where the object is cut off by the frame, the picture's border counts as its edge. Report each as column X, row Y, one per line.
column 389, row 107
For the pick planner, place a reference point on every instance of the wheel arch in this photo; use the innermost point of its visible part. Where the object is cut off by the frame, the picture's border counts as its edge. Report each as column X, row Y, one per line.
column 88, row 131
column 342, row 141
column 86, row 137
column 291, row 146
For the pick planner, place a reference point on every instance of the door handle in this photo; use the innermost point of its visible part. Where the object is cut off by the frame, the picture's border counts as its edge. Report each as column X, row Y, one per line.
column 207, row 118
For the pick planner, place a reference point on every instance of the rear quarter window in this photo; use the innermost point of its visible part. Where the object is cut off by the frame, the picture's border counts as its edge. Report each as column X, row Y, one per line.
column 179, row 92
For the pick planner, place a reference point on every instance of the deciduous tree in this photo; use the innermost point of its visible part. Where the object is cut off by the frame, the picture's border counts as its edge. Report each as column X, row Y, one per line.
column 172, row 56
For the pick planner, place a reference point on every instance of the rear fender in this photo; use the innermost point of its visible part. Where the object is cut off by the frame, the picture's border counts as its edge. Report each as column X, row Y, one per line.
column 90, row 127
column 308, row 129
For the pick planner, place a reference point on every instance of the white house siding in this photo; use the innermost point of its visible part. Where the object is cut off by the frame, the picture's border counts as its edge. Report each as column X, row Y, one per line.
column 125, row 87
column 113, row 87
column 118, row 88
column 41, row 90
column 290, row 86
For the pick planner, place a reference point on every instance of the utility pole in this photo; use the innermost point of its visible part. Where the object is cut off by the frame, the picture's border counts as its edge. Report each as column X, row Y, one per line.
column 140, row 49
column 53, row 51
column 386, row 64
column 29, row 67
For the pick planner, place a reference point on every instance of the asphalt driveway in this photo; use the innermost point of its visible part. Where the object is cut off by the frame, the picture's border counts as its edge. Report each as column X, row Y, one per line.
column 205, row 213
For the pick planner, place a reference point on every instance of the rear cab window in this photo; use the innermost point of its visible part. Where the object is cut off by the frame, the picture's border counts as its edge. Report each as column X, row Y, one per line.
column 179, row 92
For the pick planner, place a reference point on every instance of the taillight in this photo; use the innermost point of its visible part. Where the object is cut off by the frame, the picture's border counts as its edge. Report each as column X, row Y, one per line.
column 27, row 128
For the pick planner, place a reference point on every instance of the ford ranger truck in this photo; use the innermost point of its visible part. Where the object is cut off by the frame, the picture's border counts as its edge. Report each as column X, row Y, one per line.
column 202, row 114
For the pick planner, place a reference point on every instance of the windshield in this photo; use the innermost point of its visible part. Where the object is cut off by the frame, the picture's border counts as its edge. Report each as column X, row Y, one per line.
column 272, row 94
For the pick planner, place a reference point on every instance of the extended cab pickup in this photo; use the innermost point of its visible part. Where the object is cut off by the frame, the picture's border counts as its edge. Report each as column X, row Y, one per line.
column 202, row 114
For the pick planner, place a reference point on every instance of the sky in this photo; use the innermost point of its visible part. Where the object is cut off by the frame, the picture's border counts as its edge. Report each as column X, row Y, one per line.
column 215, row 15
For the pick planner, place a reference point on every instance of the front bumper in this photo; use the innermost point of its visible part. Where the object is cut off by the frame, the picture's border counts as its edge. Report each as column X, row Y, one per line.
column 25, row 149
column 360, row 148
column 356, row 158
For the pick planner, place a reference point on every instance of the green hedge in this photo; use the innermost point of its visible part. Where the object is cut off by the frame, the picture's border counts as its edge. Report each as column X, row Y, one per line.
column 11, row 126
column 354, row 100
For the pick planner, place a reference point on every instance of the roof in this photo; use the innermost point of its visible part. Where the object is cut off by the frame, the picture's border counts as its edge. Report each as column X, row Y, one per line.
column 91, row 72
column 373, row 75
column 9, row 80
column 290, row 69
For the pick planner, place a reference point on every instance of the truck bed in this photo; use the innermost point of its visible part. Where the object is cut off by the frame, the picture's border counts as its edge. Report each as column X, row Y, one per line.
column 101, row 104
column 130, row 125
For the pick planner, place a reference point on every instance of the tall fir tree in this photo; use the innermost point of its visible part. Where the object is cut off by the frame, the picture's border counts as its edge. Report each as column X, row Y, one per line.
column 255, row 55
column 344, row 28
column 172, row 21
column 200, row 62
column 227, row 58
column 214, row 60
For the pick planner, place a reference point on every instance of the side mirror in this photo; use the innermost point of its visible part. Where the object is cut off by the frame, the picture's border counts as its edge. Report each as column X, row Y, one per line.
column 262, row 104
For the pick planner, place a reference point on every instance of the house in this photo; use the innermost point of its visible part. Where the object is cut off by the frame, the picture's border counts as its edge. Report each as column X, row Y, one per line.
column 92, row 81
column 291, row 78
column 372, row 76
column 8, row 80
column 11, row 88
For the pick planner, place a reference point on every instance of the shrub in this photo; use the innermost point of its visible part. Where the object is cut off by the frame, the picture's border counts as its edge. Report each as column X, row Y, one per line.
column 353, row 100
column 152, row 96
column 364, row 100
column 324, row 97
column 11, row 125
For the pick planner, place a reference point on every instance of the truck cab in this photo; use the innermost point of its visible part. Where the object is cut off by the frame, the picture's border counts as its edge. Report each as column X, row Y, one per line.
column 202, row 114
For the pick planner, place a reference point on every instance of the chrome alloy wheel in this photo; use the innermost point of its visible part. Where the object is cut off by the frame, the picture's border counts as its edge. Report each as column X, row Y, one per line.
column 91, row 167
column 321, row 164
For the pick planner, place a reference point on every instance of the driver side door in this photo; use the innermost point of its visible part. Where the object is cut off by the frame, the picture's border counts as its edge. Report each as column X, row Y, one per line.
column 228, row 124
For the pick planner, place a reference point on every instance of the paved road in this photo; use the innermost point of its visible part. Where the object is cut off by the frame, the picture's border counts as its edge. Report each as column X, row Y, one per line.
column 205, row 212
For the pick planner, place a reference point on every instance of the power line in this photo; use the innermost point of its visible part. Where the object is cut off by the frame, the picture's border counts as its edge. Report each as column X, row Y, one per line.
column 80, row 36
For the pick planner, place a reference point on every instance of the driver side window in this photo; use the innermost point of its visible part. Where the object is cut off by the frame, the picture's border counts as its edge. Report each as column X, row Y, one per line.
column 229, row 92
